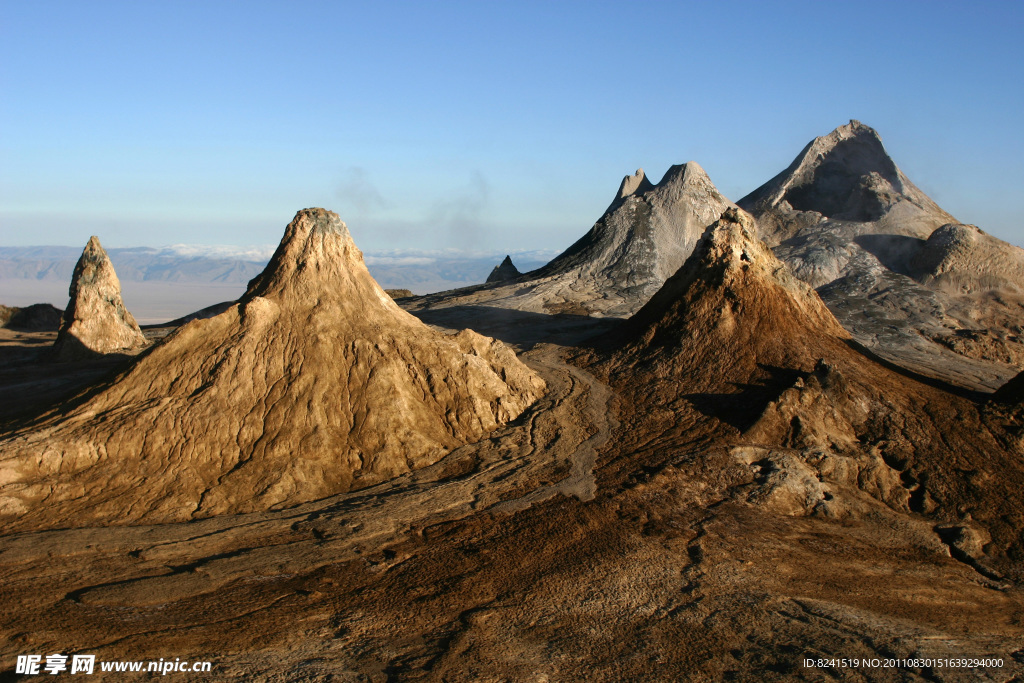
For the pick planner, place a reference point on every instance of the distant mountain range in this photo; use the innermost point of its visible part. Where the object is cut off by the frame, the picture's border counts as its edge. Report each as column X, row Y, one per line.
column 205, row 275
column 420, row 271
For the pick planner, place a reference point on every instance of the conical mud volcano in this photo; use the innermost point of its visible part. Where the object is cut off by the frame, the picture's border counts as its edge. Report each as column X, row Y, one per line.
column 314, row 383
column 731, row 308
column 96, row 320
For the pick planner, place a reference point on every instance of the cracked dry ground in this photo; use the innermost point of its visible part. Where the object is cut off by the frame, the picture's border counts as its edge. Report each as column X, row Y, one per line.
column 593, row 539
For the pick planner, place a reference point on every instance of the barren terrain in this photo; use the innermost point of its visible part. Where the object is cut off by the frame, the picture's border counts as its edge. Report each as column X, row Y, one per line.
column 701, row 444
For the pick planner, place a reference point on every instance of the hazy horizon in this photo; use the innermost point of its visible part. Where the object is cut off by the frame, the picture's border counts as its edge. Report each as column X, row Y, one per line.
column 161, row 284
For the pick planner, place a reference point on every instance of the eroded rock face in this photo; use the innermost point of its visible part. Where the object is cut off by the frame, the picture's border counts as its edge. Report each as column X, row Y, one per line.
column 96, row 320
column 314, row 383
column 902, row 275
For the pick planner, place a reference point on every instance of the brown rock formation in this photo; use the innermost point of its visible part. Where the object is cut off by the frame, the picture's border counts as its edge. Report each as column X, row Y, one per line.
column 732, row 296
column 96, row 320
column 314, row 383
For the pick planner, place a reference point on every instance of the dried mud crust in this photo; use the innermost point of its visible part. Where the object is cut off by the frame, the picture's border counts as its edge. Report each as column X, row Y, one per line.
column 503, row 561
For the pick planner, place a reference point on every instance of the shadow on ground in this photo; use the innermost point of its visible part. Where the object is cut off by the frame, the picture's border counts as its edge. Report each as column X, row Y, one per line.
column 521, row 329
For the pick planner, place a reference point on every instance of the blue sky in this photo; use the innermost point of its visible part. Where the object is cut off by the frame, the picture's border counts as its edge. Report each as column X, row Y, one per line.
column 482, row 125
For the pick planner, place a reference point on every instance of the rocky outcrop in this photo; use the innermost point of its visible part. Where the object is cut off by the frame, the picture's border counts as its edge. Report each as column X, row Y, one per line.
column 314, row 383
column 504, row 271
column 96, row 320
column 34, row 318
column 964, row 259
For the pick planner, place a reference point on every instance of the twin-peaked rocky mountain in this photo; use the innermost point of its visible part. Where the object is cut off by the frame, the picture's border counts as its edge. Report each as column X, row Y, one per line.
column 643, row 237
column 314, row 383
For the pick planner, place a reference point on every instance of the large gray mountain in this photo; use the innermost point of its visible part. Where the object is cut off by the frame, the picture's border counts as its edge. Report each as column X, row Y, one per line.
column 903, row 276
column 643, row 237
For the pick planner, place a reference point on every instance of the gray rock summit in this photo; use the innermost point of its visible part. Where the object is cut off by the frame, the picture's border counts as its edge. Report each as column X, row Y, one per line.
column 843, row 176
column 634, row 184
column 96, row 320
column 504, row 271
column 906, row 278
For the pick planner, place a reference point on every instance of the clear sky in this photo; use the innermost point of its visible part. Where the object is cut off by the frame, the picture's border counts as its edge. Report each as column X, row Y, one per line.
column 481, row 125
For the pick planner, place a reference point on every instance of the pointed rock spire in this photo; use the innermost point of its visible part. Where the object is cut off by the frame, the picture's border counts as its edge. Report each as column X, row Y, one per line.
column 634, row 184
column 96, row 320
column 504, row 272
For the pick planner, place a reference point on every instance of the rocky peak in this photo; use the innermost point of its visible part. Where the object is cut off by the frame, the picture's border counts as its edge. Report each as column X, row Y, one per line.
column 634, row 184
column 504, row 272
column 845, row 175
column 731, row 302
column 316, row 257
column 96, row 320
column 691, row 173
